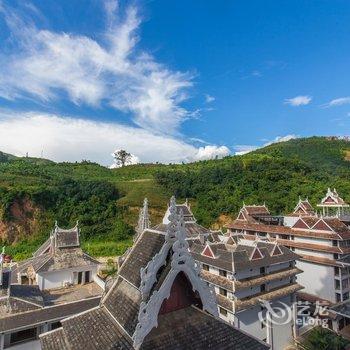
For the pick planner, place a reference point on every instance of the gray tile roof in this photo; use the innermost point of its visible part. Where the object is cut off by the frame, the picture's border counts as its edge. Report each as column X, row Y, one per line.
column 41, row 315
column 112, row 325
column 201, row 331
column 192, row 229
column 68, row 258
column 123, row 302
column 29, row 293
column 237, row 257
column 55, row 340
column 67, row 238
column 147, row 246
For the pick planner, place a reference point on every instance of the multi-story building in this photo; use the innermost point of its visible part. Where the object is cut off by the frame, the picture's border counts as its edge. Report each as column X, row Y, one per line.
column 242, row 273
column 245, row 274
column 59, row 281
column 322, row 242
column 157, row 301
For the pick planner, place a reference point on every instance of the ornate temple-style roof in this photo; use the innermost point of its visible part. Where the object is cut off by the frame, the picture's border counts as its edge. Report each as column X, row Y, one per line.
column 158, row 301
column 192, row 228
column 244, row 254
column 303, row 208
column 332, row 199
column 62, row 252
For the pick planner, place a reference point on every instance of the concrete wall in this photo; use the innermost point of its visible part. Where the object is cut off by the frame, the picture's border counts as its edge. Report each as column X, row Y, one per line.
column 282, row 334
column 57, row 279
column 249, row 322
column 317, row 279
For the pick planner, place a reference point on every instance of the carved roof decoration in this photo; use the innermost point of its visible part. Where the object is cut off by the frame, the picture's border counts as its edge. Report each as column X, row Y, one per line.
column 144, row 221
column 304, row 207
column 332, row 199
column 61, row 251
column 135, row 310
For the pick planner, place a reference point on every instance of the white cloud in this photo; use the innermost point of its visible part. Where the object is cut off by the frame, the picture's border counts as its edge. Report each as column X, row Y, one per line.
column 337, row 102
column 209, row 98
column 72, row 139
column 281, row 139
column 244, row 149
column 298, row 101
column 48, row 65
column 211, row 152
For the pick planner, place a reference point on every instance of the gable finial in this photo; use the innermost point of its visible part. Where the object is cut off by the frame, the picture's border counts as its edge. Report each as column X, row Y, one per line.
column 173, row 219
column 144, row 220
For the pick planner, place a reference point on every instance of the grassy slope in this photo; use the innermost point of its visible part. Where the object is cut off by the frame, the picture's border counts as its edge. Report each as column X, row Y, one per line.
column 276, row 174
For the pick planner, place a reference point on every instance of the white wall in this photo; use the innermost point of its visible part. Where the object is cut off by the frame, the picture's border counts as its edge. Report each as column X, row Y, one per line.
column 282, row 334
column 313, row 253
column 54, row 279
column 319, row 241
column 290, row 220
column 317, row 279
column 249, row 322
column 57, row 279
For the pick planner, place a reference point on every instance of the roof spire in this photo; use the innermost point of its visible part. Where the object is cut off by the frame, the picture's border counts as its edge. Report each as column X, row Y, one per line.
column 144, row 220
column 173, row 220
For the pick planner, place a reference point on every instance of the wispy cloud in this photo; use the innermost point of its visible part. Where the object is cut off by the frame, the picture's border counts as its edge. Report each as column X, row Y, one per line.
column 209, row 98
column 337, row 102
column 48, row 65
column 73, row 139
column 296, row 101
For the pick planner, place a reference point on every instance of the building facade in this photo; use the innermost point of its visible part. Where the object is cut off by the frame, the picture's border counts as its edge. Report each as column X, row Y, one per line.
column 157, row 301
column 247, row 276
column 322, row 243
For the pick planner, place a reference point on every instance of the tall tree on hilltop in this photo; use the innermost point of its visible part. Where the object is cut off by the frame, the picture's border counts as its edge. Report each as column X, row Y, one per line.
column 122, row 157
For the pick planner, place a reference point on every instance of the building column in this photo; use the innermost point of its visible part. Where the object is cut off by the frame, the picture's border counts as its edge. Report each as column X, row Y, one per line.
column 2, row 341
column 295, row 317
column 269, row 335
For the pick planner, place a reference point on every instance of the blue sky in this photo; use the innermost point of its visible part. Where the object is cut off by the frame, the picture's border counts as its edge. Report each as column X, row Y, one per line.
column 170, row 81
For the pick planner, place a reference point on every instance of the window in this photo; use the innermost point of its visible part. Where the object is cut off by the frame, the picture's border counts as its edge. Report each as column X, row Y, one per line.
column 25, row 335
column 223, row 292
column 345, row 283
column 80, row 277
column 262, row 270
column 346, row 296
column 87, row 276
column 337, row 297
column 337, row 284
column 205, row 267
column 334, row 243
column 56, row 325
column 336, row 271
column 335, row 256
column 262, row 288
column 222, row 311
column 223, row 273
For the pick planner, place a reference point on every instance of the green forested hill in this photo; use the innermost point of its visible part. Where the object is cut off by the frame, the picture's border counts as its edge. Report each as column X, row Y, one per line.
column 36, row 192
column 276, row 175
